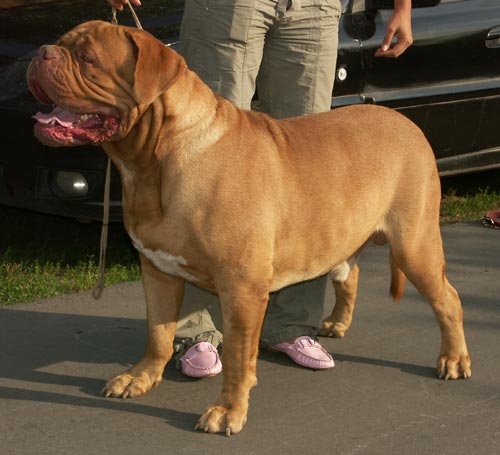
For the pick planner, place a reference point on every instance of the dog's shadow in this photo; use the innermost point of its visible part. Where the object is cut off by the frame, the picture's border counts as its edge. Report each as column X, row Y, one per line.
column 38, row 346
column 408, row 368
column 66, row 359
column 181, row 420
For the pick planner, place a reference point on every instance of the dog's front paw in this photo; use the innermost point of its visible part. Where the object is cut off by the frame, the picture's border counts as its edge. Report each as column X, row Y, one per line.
column 454, row 367
column 333, row 329
column 218, row 419
column 126, row 385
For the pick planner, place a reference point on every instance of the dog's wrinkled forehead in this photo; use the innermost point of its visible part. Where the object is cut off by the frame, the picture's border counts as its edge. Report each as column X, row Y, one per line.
column 81, row 33
column 118, row 59
column 99, row 45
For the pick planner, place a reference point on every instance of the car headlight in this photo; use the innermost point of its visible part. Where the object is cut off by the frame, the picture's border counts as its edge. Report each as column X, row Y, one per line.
column 71, row 184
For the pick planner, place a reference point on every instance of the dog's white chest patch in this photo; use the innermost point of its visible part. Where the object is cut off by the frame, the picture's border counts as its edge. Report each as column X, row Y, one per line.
column 164, row 261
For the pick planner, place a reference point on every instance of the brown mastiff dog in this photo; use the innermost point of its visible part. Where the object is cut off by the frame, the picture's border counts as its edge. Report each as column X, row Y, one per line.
column 241, row 204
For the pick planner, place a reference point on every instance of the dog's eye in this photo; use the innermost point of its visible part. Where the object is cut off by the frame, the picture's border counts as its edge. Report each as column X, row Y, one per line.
column 86, row 59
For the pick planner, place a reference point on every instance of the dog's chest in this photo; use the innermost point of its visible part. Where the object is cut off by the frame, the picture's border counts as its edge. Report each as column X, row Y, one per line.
column 164, row 261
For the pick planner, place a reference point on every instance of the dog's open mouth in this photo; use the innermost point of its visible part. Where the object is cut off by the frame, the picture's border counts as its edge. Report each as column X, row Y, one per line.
column 65, row 128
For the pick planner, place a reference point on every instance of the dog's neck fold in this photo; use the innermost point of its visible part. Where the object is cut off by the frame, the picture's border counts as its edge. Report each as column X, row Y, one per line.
column 165, row 137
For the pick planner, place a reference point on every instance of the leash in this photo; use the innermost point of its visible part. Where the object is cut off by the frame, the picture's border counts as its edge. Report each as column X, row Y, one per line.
column 103, row 245
column 101, row 271
column 114, row 20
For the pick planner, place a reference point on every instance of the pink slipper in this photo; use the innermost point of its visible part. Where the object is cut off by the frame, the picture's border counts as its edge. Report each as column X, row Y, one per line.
column 307, row 352
column 201, row 360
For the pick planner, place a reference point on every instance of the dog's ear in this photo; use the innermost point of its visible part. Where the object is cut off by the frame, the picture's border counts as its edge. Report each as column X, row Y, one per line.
column 157, row 66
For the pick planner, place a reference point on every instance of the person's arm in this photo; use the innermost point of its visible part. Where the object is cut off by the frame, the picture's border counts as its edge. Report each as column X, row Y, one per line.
column 399, row 26
column 118, row 4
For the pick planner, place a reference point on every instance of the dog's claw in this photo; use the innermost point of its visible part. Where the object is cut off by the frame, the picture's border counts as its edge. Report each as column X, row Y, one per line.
column 454, row 367
column 106, row 393
column 219, row 419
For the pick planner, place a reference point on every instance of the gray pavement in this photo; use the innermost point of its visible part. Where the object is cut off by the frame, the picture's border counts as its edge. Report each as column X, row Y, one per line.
column 381, row 398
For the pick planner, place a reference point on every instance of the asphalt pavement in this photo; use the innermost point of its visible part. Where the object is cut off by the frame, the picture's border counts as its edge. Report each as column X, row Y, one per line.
column 381, row 398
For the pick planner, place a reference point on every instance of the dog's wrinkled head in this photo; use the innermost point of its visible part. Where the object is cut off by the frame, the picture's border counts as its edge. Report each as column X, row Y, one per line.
column 98, row 76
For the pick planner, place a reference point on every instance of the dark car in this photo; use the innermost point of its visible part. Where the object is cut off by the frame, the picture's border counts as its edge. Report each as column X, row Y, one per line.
column 448, row 83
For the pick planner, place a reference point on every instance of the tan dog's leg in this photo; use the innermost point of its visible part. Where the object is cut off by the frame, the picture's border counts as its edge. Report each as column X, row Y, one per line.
column 421, row 258
column 164, row 297
column 242, row 314
column 337, row 324
column 453, row 361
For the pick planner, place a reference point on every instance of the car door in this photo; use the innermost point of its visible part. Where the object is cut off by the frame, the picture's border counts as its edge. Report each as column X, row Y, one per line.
column 448, row 81
column 350, row 72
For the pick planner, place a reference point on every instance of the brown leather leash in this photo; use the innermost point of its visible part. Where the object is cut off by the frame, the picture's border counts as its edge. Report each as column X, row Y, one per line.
column 114, row 20
column 101, row 271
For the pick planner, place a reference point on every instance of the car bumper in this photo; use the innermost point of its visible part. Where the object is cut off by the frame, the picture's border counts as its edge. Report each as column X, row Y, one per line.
column 64, row 181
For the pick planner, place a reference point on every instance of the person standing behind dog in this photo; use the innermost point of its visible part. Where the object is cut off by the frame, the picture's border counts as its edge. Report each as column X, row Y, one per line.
column 287, row 50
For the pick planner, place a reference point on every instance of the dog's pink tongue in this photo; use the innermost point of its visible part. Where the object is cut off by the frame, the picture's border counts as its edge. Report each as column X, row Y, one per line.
column 62, row 117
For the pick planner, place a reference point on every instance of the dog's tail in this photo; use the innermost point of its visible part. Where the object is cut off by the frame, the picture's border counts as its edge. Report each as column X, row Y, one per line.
column 398, row 280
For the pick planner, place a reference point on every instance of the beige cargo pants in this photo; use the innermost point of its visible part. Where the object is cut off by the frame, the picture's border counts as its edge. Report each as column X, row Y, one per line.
column 287, row 50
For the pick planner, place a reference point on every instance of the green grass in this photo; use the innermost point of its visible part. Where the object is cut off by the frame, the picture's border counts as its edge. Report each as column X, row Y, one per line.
column 469, row 207
column 44, row 256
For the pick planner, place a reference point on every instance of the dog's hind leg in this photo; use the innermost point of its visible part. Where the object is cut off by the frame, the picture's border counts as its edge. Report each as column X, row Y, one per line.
column 337, row 324
column 243, row 308
column 419, row 254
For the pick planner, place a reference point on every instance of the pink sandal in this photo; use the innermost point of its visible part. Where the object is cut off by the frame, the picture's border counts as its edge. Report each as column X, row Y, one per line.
column 307, row 352
column 201, row 360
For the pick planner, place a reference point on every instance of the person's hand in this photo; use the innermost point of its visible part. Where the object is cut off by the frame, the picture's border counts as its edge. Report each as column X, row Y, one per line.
column 399, row 26
column 118, row 4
